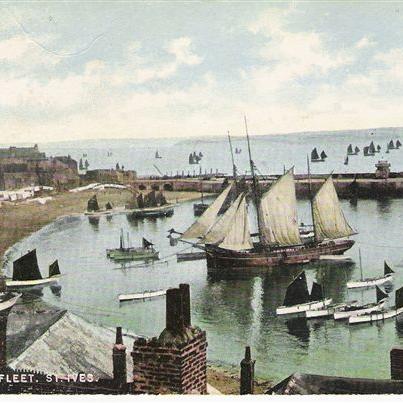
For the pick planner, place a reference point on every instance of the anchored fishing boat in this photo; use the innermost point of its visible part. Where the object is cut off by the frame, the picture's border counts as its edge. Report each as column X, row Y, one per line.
column 228, row 241
column 26, row 272
column 323, row 155
column 346, row 160
column 157, row 156
column 391, row 145
column 297, row 298
column 141, row 295
column 356, row 150
column 381, row 314
column 128, row 253
column 398, row 144
column 200, row 208
column 368, row 152
column 350, row 150
column 373, row 281
column 94, row 210
column 329, row 310
column 354, row 310
column 315, row 156
column 152, row 204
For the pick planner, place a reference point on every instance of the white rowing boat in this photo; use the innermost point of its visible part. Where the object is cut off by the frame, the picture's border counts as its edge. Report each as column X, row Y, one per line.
column 357, row 310
column 141, row 295
column 32, row 283
column 308, row 306
column 7, row 300
column 375, row 316
column 330, row 310
column 370, row 282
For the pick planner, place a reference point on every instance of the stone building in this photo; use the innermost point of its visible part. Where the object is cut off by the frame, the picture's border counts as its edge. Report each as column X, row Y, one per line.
column 27, row 166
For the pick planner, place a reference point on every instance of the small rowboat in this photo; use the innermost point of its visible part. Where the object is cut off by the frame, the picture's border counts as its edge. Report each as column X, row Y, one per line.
column 375, row 316
column 181, row 257
column 32, row 283
column 336, row 258
column 374, row 281
column 166, row 210
column 308, row 306
column 381, row 314
column 7, row 300
column 328, row 311
column 141, row 295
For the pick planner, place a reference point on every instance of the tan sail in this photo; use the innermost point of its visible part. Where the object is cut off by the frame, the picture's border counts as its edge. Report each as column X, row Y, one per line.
column 278, row 213
column 238, row 237
column 328, row 217
column 220, row 229
column 200, row 227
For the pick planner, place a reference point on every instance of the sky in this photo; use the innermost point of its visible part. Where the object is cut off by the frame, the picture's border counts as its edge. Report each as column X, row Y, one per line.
column 89, row 70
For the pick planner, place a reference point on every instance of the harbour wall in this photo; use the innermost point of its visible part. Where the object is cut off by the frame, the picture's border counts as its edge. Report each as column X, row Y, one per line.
column 348, row 186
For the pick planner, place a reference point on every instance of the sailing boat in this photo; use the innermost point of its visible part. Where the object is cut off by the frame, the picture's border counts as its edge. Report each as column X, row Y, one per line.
column 323, row 155
column 380, row 314
column 297, row 298
column 373, row 281
column 200, row 208
column 372, row 149
column 315, row 156
column 391, row 146
column 398, row 144
column 145, row 252
column 157, row 155
column 346, row 160
column 368, row 152
column 354, row 310
column 350, row 150
column 378, row 148
column 152, row 205
column 26, row 272
column 356, row 150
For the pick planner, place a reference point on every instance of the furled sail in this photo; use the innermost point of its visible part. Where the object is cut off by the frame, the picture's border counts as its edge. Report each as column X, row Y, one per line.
column 26, row 267
column 278, row 213
column 238, row 237
column 222, row 225
column 200, row 227
column 297, row 291
column 328, row 217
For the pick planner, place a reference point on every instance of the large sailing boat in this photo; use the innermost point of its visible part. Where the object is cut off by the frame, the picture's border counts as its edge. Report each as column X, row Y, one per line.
column 228, row 241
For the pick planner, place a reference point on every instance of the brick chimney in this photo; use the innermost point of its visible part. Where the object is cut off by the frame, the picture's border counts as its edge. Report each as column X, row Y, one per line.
column 176, row 361
column 119, row 360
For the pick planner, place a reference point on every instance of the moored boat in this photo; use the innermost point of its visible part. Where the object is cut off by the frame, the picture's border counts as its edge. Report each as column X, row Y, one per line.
column 398, row 144
column 297, row 298
column 187, row 256
column 141, row 295
column 128, row 253
column 382, row 314
column 328, row 311
column 152, row 204
column 315, row 156
column 26, row 272
column 354, row 310
column 373, row 281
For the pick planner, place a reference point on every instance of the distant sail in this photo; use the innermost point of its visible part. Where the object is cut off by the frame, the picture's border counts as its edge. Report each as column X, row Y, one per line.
column 316, row 292
column 399, row 298
column 200, row 227
column 346, row 160
column 54, row 269
column 378, row 148
column 146, row 243
column 238, row 237
column 380, row 295
column 219, row 230
column 323, row 155
column 398, row 144
column 92, row 204
column 26, row 267
column 356, row 149
column 314, row 154
column 297, row 291
column 391, row 146
column 372, row 148
column 328, row 217
column 387, row 269
column 278, row 212
column 350, row 149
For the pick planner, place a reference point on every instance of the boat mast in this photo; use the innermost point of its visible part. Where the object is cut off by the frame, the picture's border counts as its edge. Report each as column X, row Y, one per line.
column 310, row 197
column 359, row 254
column 232, row 159
column 254, row 184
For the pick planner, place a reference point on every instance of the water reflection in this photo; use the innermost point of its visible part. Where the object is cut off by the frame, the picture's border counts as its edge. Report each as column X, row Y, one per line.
column 299, row 328
column 384, row 206
column 94, row 221
column 56, row 290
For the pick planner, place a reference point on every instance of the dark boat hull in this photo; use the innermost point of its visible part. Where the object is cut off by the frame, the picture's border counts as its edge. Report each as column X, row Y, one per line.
column 218, row 259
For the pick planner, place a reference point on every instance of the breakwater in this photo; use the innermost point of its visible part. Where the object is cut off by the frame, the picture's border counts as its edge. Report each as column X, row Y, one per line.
column 360, row 185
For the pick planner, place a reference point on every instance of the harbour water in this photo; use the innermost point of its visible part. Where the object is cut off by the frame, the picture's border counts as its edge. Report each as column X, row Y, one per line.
column 234, row 312
column 270, row 153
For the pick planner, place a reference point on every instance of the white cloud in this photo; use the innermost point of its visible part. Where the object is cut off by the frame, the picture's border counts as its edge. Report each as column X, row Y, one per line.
column 181, row 49
column 365, row 42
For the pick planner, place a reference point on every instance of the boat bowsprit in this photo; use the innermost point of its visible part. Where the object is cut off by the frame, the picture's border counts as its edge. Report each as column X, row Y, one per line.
column 381, row 314
column 298, row 300
column 141, row 295
column 354, row 310
column 374, row 281
column 26, row 272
